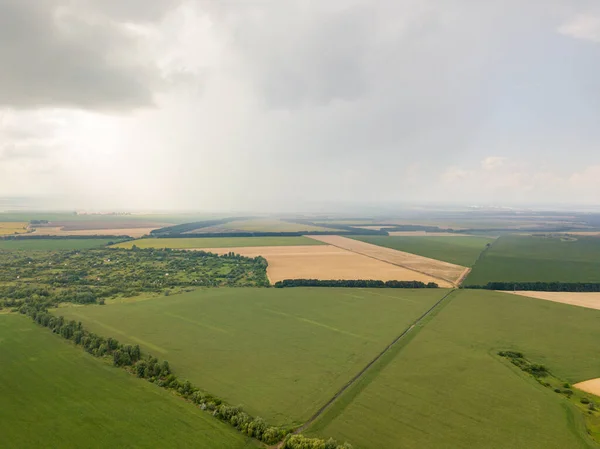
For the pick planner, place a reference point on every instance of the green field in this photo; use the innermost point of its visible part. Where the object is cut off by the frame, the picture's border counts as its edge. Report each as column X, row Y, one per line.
column 462, row 250
column 281, row 353
column 218, row 242
column 269, row 225
column 53, row 244
column 53, row 394
column 447, row 387
column 529, row 259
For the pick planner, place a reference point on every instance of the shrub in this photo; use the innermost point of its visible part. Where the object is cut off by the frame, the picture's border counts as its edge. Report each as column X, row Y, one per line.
column 584, row 400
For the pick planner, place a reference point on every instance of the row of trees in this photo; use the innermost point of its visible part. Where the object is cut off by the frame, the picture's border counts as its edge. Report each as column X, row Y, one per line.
column 359, row 283
column 150, row 368
column 302, row 442
column 540, row 286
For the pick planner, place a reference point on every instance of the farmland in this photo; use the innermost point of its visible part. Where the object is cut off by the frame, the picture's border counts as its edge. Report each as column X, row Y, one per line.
column 325, row 262
column 446, row 273
column 457, row 250
column 589, row 300
column 55, row 395
column 517, row 258
column 445, row 387
column 269, row 225
column 218, row 242
column 281, row 353
column 10, row 228
column 37, row 244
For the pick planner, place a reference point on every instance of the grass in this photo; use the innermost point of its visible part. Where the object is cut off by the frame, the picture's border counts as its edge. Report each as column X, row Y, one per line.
column 448, row 388
column 218, row 242
column 53, row 394
column 53, row 244
column 530, row 258
column 457, row 250
column 270, row 225
column 11, row 228
column 280, row 353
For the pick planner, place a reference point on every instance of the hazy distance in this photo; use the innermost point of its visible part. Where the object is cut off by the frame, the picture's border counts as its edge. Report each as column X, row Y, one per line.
column 296, row 105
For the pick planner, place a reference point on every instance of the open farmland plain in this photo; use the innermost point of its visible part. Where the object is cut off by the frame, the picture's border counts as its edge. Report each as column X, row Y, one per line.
column 39, row 244
column 218, row 242
column 11, row 228
column 528, row 258
column 281, row 353
column 325, row 262
column 53, row 394
column 266, row 225
column 446, row 387
column 463, row 250
column 447, row 274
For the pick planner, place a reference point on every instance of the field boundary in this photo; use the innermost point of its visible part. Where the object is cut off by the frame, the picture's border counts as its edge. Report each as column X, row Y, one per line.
column 364, row 371
column 452, row 283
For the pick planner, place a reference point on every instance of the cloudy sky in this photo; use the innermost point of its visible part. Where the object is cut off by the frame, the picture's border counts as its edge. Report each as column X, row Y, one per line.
column 284, row 104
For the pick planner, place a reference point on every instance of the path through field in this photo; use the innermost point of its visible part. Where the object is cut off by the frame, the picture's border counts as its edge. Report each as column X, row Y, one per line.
column 447, row 274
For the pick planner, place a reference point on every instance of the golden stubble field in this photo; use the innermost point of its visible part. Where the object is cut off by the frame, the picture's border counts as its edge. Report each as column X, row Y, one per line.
column 442, row 271
column 11, row 227
column 326, row 262
column 589, row 300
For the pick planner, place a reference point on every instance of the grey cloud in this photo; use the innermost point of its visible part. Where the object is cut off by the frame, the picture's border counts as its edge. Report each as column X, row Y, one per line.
column 59, row 54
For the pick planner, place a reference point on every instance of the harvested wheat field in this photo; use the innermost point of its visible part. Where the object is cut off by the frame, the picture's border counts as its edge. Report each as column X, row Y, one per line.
column 445, row 271
column 589, row 300
column 325, row 262
column 591, row 386
column 10, row 227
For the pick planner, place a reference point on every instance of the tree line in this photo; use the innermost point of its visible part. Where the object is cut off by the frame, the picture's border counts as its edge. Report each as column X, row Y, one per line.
column 359, row 283
column 540, row 286
column 145, row 366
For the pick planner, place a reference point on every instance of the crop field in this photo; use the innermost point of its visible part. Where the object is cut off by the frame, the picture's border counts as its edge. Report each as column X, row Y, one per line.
column 52, row 244
column 589, row 300
column 269, row 225
column 324, row 262
column 135, row 232
column 457, row 250
column 218, row 242
column 53, row 394
column 446, row 387
column 10, row 227
column 529, row 258
column 446, row 273
column 280, row 353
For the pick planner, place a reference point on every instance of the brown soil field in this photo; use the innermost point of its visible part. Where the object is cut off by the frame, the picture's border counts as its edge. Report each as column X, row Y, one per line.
column 429, row 267
column 131, row 232
column 589, row 386
column 589, row 300
column 326, row 262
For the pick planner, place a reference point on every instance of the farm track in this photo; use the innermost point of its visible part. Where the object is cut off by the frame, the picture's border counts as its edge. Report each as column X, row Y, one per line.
column 362, row 372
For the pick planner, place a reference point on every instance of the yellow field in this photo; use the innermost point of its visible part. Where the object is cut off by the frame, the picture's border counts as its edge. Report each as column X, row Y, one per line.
column 11, row 227
column 325, row 262
column 589, row 386
column 589, row 300
column 443, row 271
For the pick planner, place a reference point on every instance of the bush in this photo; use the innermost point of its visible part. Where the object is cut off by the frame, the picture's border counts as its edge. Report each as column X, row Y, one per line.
column 584, row 400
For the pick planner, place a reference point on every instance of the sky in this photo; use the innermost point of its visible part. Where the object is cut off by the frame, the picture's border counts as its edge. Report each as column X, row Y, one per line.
column 283, row 105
